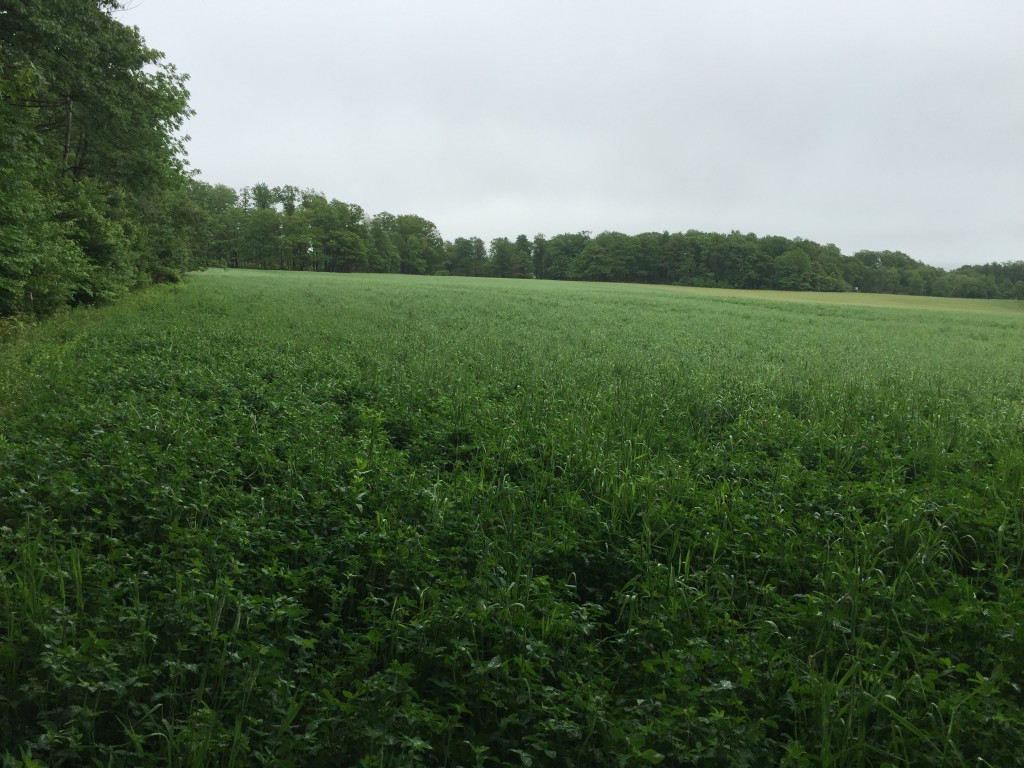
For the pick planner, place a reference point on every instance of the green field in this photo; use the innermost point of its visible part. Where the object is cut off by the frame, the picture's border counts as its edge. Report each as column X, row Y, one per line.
column 302, row 519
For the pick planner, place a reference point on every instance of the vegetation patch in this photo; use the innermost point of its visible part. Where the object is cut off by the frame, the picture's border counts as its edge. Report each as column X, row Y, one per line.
column 318, row 519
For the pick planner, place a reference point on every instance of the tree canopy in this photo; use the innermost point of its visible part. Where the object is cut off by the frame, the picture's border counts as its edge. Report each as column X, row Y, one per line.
column 94, row 197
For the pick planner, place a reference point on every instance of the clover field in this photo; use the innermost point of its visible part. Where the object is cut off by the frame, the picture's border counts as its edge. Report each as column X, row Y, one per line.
column 302, row 519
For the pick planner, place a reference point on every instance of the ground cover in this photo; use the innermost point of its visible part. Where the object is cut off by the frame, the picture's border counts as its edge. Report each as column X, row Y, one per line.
column 314, row 519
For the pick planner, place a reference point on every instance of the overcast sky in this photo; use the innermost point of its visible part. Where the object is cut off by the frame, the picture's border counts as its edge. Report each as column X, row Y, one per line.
column 871, row 124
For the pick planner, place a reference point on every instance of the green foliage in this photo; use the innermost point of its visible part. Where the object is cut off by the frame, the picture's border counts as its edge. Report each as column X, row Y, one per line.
column 89, row 144
column 467, row 256
column 419, row 244
column 307, row 519
column 609, row 256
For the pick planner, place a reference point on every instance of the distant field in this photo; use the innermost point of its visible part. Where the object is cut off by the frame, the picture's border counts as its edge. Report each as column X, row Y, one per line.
column 855, row 299
column 309, row 519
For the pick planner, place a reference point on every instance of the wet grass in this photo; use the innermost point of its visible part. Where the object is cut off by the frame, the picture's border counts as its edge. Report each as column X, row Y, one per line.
column 293, row 519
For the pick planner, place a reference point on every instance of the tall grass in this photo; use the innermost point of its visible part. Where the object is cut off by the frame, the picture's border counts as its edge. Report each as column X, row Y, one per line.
column 300, row 519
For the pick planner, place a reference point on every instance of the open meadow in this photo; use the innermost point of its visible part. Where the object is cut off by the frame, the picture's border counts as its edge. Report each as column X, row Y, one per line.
column 300, row 519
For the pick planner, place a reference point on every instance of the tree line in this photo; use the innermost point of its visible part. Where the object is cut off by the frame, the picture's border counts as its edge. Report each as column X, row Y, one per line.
column 287, row 228
column 96, row 199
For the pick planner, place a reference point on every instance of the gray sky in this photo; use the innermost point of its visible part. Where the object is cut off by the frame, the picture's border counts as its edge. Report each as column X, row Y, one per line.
column 871, row 124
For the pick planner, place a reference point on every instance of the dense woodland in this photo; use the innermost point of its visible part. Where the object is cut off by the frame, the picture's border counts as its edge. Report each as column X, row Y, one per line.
column 96, row 198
